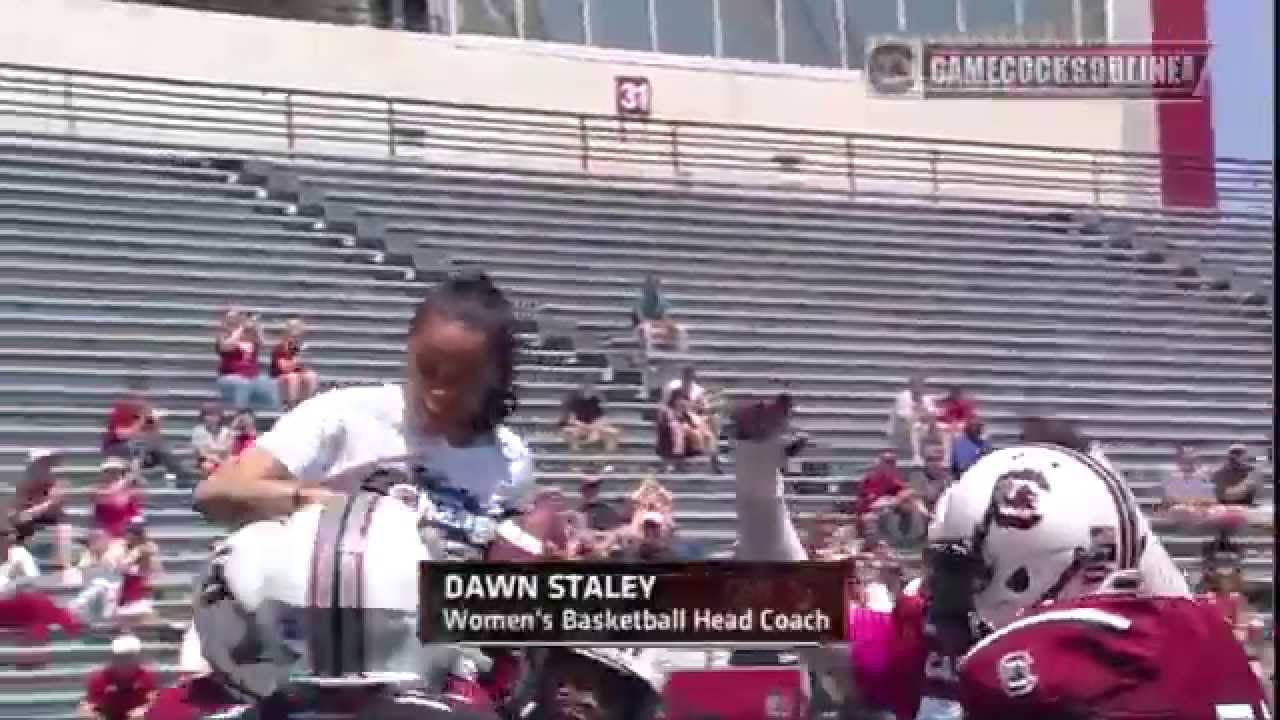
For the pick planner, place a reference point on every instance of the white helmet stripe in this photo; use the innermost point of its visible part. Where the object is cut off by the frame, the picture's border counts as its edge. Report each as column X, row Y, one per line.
column 336, row 638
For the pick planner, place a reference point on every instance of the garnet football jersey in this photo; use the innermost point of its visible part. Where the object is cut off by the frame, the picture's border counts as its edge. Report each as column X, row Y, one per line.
column 1112, row 657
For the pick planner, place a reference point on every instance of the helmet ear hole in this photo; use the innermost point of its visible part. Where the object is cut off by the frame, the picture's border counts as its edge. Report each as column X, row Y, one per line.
column 1019, row 581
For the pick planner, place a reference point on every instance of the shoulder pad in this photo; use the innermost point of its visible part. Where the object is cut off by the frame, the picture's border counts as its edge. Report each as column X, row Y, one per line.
column 1086, row 616
column 239, row 712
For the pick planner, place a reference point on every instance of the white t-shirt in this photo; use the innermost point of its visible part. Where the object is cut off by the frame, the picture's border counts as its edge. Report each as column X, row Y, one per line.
column 697, row 393
column 1178, row 485
column 907, row 408
column 211, row 442
column 18, row 566
column 349, row 431
column 878, row 597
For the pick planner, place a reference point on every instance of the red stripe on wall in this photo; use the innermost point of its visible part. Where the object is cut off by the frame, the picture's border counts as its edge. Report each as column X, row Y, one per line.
column 1185, row 129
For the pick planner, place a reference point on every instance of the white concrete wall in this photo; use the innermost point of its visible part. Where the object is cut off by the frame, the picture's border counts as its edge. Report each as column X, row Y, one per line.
column 182, row 44
column 1130, row 22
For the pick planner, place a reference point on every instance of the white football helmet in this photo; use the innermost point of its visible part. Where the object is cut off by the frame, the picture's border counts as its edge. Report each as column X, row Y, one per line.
column 328, row 596
column 1035, row 523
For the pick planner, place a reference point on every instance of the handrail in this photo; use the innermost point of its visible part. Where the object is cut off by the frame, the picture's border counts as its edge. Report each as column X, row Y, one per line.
column 303, row 121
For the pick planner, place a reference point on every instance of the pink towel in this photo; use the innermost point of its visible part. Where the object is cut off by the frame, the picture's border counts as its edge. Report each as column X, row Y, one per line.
column 871, row 639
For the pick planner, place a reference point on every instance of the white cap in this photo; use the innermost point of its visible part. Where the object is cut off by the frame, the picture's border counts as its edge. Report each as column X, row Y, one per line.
column 38, row 454
column 126, row 645
column 114, row 463
column 653, row 516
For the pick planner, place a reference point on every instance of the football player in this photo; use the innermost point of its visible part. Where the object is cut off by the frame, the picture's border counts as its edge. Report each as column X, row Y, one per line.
column 1089, row 616
column 1085, row 614
column 317, row 613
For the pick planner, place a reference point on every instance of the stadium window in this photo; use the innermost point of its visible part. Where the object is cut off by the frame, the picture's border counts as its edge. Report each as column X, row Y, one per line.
column 488, row 17
column 1048, row 19
column 622, row 24
column 559, row 21
column 1093, row 20
column 750, row 29
column 868, row 18
column 932, row 17
column 991, row 18
column 686, row 27
column 812, row 32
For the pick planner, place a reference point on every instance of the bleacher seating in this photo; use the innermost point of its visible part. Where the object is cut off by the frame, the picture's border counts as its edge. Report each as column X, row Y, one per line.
column 115, row 263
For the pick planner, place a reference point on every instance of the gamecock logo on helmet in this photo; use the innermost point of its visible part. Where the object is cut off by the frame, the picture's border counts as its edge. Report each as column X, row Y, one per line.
column 1017, row 499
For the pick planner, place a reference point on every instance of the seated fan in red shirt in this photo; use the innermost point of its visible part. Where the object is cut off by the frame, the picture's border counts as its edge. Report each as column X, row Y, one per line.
column 240, row 381
column 116, row 504
column 296, row 381
column 123, row 689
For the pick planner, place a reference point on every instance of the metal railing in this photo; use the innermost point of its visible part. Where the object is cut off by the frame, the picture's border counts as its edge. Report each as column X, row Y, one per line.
column 293, row 121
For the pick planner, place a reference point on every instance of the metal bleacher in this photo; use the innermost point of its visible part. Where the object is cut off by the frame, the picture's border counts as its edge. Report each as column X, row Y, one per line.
column 115, row 257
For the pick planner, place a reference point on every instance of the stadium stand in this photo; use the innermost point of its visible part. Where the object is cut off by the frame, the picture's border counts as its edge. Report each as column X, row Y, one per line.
column 116, row 262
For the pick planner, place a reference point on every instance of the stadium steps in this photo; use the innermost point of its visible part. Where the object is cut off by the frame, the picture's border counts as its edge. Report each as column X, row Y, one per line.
column 837, row 299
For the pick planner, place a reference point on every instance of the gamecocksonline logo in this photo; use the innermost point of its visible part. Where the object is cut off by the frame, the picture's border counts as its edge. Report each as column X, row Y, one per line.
column 1163, row 71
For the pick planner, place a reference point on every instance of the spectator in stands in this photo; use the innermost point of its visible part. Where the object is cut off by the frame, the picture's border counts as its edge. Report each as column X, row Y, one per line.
column 244, row 432
column 600, row 515
column 17, row 566
column 134, row 433
column 688, row 382
column 934, row 479
column 913, row 416
column 211, row 439
column 651, row 496
column 682, row 434
column 582, row 419
column 552, row 500
column 968, row 446
column 123, row 689
column 141, row 563
column 198, row 692
column 886, row 502
column 824, row 541
column 650, row 539
column 705, row 404
column 1190, row 498
column 22, row 608
column 1233, row 482
column 652, row 320
column 239, row 343
column 117, row 503
column 956, row 410
column 1187, row 488
column 296, row 382
column 39, row 504
column 100, row 565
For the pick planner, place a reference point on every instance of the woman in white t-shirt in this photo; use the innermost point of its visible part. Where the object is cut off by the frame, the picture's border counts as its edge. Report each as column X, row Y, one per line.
column 443, row 426
column 912, row 418
column 16, row 564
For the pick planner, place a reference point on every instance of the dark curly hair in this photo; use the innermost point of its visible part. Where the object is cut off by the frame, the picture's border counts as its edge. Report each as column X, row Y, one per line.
column 471, row 298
